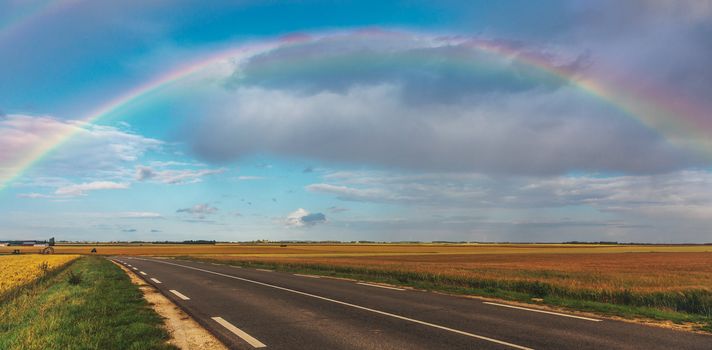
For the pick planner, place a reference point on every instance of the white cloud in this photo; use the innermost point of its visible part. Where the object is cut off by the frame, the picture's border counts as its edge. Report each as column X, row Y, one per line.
column 302, row 218
column 200, row 211
column 250, row 178
column 139, row 215
column 89, row 149
column 83, row 188
column 174, row 176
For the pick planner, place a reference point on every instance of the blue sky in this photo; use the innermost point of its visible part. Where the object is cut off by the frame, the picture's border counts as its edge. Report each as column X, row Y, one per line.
column 383, row 124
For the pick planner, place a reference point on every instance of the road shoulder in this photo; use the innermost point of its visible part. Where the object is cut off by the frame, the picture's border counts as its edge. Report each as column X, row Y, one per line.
column 185, row 332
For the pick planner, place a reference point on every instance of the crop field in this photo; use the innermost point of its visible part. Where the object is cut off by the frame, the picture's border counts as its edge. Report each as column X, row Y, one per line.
column 661, row 278
column 340, row 250
column 658, row 280
column 19, row 270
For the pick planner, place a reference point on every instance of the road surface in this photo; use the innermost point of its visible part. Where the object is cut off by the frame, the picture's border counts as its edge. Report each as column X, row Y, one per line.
column 252, row 308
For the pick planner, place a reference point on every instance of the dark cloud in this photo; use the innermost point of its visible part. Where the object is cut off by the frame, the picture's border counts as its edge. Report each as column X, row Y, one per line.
column 427, row 73
column 313, row 219
column 425, row 103
column 532, row 133
column 144, row 173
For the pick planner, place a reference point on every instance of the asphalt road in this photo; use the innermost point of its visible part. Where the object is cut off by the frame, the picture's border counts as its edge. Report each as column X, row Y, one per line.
column 252, row 308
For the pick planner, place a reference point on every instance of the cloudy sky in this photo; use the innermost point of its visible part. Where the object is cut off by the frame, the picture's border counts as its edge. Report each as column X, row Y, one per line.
column 356, row 120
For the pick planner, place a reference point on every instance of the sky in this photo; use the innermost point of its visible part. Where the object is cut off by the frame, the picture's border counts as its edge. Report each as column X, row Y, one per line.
column 484, row 121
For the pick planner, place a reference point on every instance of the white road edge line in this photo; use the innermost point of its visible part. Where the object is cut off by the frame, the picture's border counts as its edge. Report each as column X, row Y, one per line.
column 379, row 286
column 240, row 333
column 308, row 276
column 472, row 335
column 216, row 264
column 179, row 294
column 155, row 280
column 543, row 311
column 265, row 270
column 143, row 273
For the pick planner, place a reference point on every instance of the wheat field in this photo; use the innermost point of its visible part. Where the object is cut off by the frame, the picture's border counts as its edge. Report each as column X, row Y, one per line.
column 19, row 270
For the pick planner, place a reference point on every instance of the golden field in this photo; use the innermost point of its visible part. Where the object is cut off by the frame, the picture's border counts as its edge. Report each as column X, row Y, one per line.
column 20, row 270
column 340, row 250
column 639, row 272
column 668, row 277
column 664, row 278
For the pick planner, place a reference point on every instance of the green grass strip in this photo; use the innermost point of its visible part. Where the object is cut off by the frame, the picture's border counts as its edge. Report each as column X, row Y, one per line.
column 103, row 311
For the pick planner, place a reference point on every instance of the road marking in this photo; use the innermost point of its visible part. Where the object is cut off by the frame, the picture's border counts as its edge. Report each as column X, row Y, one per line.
column 379, row 286
column 155, row 280
column 235, row 266
column 265, row 270
column 143, row 273
column 239, row 332
column 177, row 293
column 135, row 268
column 433, row 325
column 543, row 311
column 129, row 265
column 309, row 276
column 216, row 264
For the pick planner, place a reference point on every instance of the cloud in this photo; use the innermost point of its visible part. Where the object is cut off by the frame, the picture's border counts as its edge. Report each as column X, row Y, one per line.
column 250, row 178
column 643, row 208
column 358, row 194
column 173, row 176
column 139, row 215
column 22, row 137
column 83, row 188
column 501, row 118
column 335, row 209
column 199, row 211
column 302, row 218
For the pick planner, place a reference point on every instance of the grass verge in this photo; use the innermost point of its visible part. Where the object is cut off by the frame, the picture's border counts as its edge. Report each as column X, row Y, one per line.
column 680, row 308
column 99, row 309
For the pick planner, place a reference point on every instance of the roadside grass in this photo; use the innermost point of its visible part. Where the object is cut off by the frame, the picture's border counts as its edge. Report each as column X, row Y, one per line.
column 100, row 309
column 682, row 307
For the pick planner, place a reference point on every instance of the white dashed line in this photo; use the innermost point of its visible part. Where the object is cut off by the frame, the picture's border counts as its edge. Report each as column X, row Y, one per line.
column 178, row 294
column 543, row 311
column 135, row 268
column 239, row 332
column 155, row 280
column 265, row 270
column 379, row 312
column 309, row 276
column 379, row 286
column 143, row 273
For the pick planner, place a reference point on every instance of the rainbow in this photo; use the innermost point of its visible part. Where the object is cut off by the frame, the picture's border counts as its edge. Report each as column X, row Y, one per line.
column 675, row 118
column 30, row 14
